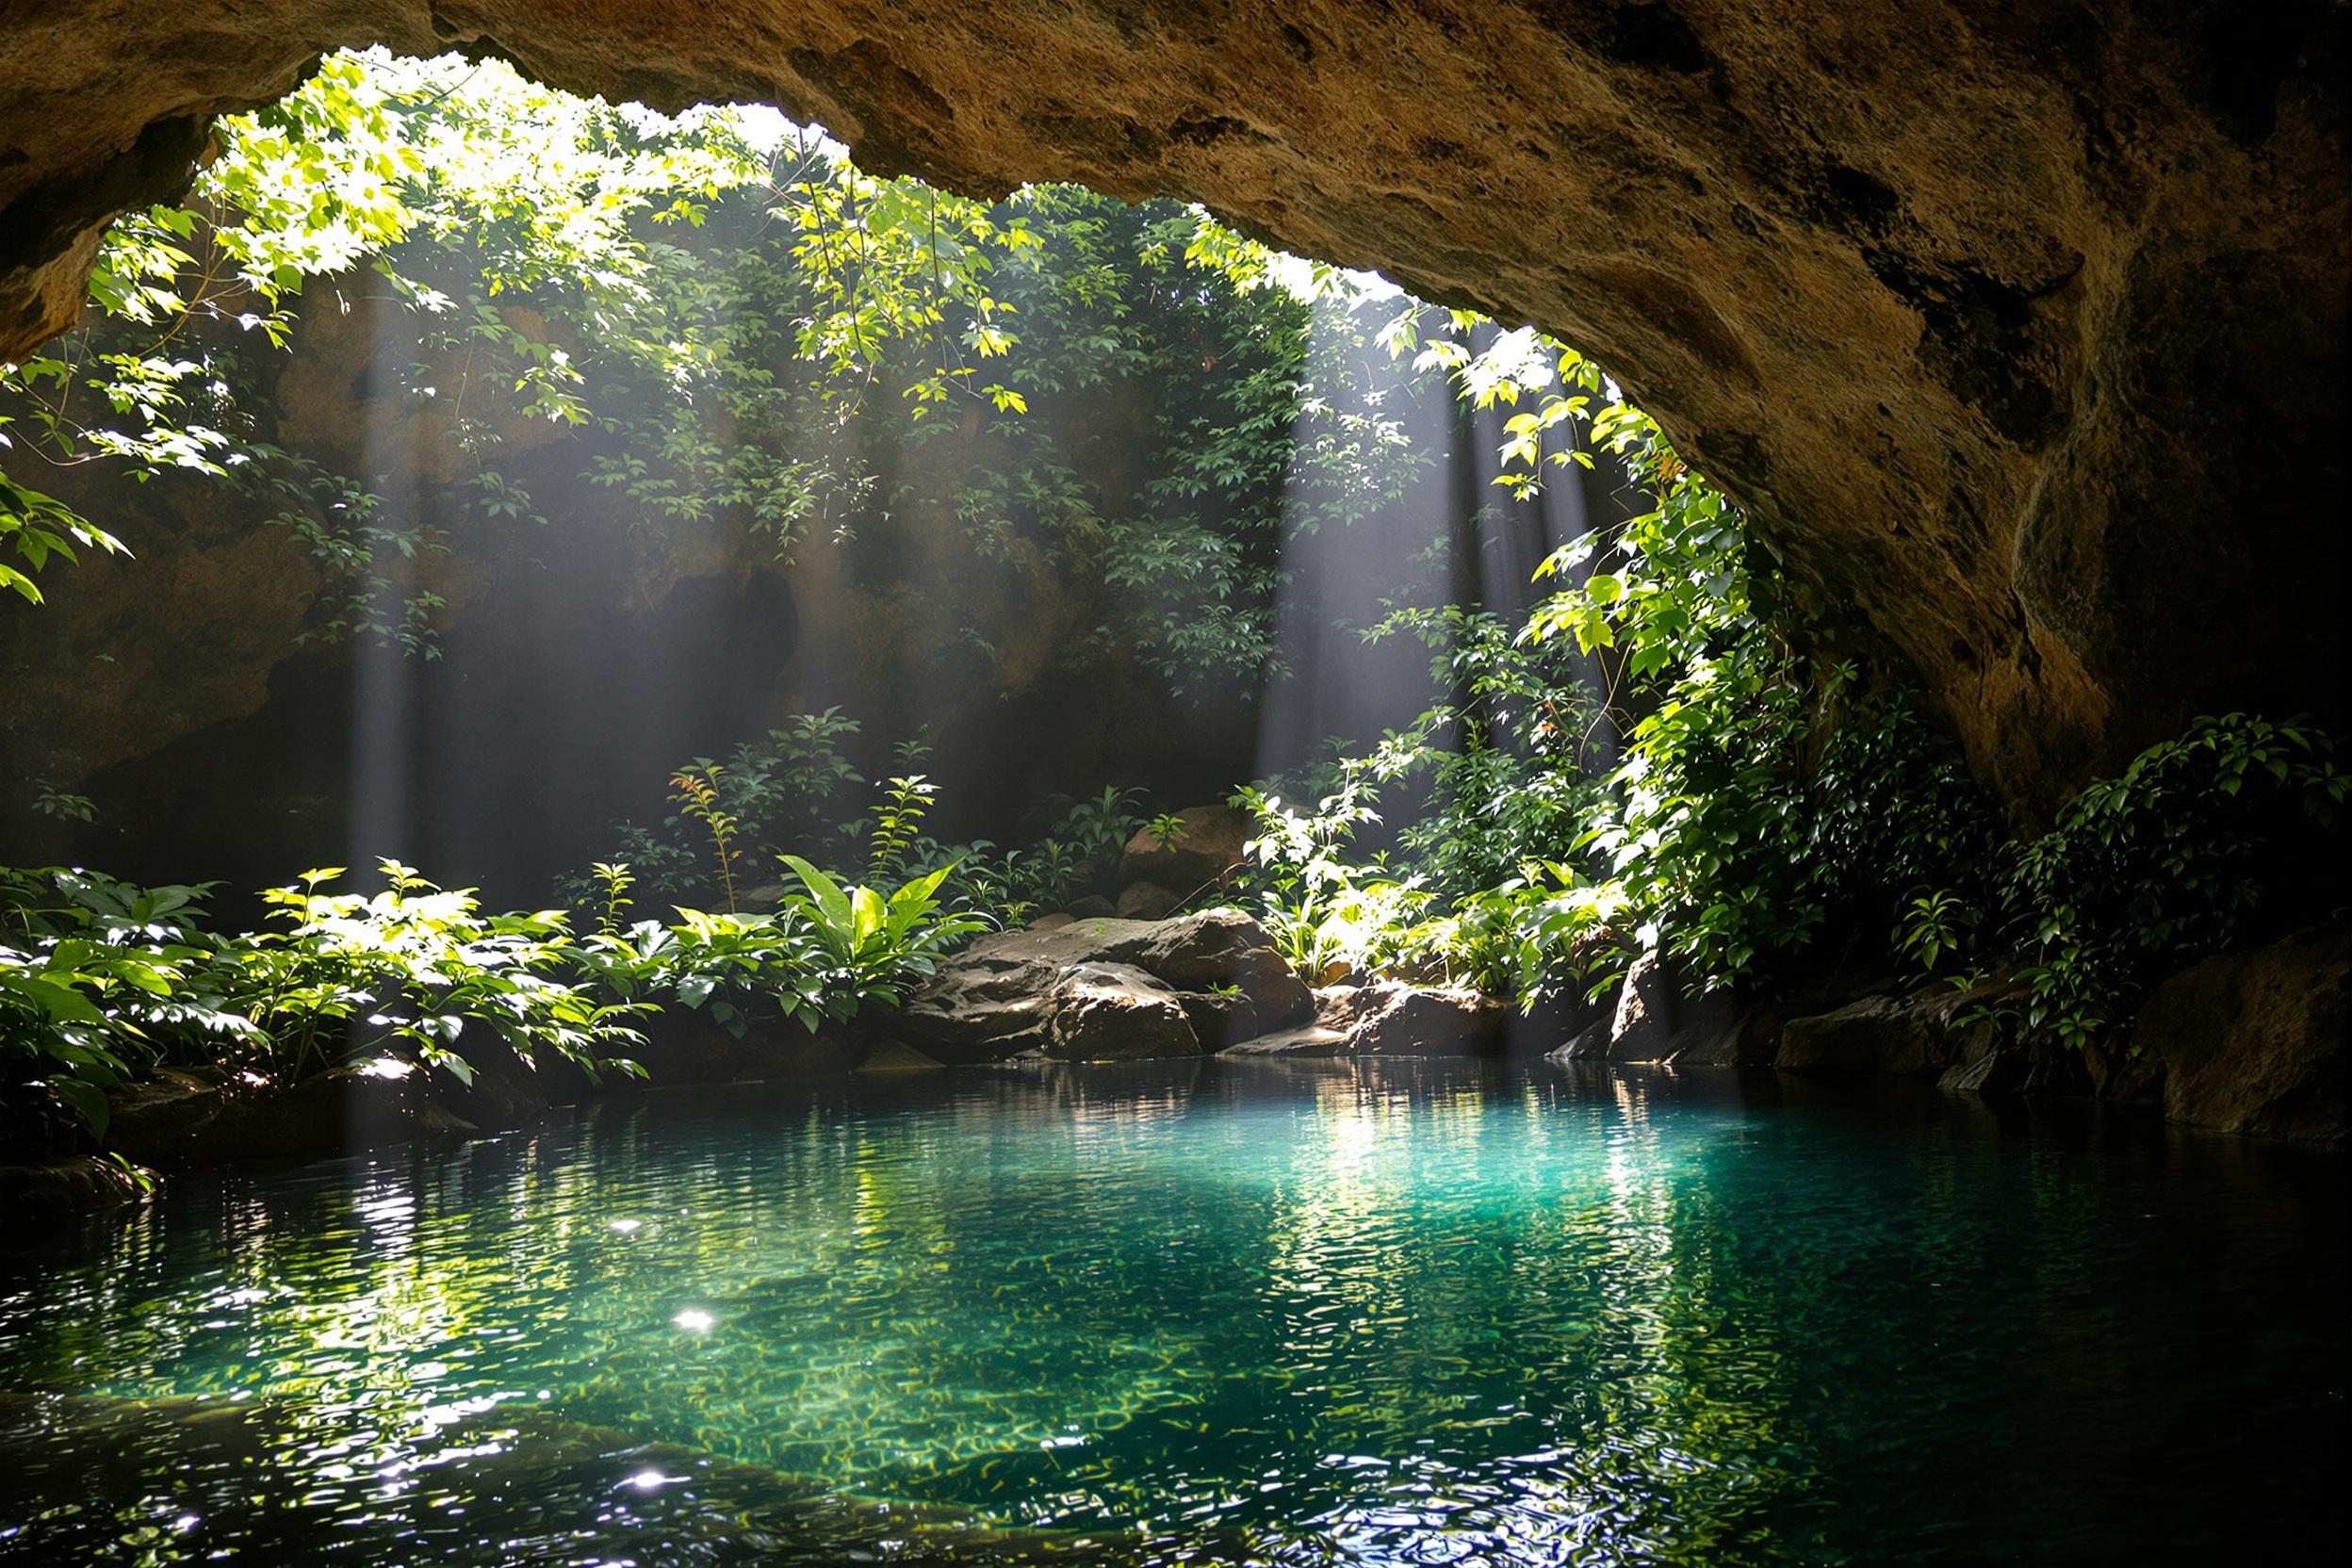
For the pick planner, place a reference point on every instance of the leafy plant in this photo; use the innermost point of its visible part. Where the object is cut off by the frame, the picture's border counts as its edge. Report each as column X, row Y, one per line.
column 695, row 792
column 874, row 944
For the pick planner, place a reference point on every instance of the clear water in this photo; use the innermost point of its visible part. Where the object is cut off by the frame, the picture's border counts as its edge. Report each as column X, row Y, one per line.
column 1227, row 1312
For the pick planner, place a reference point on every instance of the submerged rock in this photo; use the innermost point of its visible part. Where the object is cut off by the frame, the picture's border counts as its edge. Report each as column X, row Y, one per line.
column 2253, row 1042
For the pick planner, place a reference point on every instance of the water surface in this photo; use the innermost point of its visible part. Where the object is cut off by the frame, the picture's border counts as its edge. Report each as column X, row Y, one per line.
column 1411, row 1312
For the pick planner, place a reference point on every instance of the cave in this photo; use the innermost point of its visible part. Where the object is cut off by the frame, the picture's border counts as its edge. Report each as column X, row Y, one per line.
column 2020, row 334
column 795, row 781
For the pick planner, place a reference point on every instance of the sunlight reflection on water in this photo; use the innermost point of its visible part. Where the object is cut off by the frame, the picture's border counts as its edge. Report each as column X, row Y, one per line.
column 1404, row 1312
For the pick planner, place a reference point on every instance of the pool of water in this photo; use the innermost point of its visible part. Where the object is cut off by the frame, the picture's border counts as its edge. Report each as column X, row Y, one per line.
column 1409, row 1311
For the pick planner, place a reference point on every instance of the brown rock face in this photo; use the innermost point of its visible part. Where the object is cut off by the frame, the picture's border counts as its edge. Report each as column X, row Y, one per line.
column 2258, row 1042
column 1200, row 852
column 2019, row 330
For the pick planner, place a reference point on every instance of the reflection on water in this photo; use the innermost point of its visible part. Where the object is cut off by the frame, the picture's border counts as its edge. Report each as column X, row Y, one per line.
column 1411, row 1311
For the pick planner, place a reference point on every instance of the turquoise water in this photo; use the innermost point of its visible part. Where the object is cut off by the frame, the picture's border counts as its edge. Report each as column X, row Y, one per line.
column 1413, row 1312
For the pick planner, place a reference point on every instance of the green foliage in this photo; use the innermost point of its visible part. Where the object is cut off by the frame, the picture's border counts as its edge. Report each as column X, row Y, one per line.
column 100, row 981
column 695, row 789
column 34, row 528
column 409, row 972
column 874, row 943
column 104, row 979
column 898, row 823
column 2162, row 864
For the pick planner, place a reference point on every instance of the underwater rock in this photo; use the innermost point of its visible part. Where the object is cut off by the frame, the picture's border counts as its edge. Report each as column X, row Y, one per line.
column 2254, row 1042
column 1117, row 1013
column 1208, row 846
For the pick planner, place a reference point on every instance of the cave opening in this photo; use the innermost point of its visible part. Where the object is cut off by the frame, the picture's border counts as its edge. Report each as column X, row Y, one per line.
column 846, row 837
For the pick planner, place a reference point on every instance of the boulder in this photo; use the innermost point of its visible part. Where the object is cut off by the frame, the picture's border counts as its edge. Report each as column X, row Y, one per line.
column 1209, row 845
column 1145, row 901
column 1969, row 1039
column 1215, row 947
column 1659, row 1014
column 1093, row 906
column 890, row 1056
column 2253, row 1042
column 1398, row 1020
column 1003, row 996
column 1921, row 1034
column 1115, row 1013
column 1221, row 1019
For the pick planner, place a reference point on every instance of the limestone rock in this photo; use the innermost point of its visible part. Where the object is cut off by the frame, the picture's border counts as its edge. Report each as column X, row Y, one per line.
column 1966, row 1039
column 2256, row 1042
column 1982, row 317
column 1215, row 947
column 1208, row 846
column 890, row 1056
column 1114, row 1013
column 1921, row 1034
column 1657, row 1016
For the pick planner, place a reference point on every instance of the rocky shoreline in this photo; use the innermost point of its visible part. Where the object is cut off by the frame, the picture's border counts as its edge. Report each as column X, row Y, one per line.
column 2251, row 1043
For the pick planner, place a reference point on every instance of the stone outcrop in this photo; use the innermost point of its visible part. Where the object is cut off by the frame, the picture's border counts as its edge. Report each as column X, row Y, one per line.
column 2256, row 1042
column 1112, row 990
column 1985, row 313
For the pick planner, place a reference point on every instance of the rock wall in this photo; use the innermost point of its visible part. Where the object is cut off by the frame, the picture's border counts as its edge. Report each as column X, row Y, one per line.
column 2020, row 329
